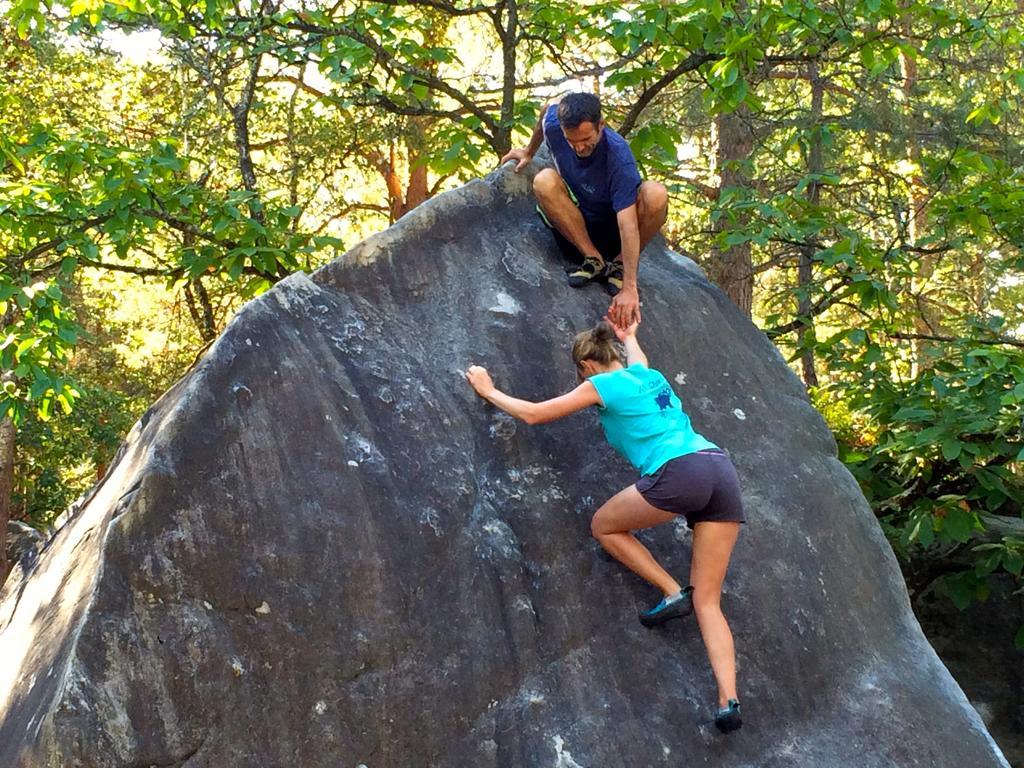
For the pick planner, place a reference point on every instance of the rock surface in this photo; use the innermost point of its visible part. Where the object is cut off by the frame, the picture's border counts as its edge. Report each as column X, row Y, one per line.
column 321, row 549
column 23, row 542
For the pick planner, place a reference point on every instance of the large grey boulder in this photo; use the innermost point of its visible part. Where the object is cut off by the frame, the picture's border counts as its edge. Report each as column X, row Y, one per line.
column 321, row 549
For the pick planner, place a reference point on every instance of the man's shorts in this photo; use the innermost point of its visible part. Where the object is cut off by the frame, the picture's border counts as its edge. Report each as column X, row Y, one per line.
column 702, row 486
column 604, row 234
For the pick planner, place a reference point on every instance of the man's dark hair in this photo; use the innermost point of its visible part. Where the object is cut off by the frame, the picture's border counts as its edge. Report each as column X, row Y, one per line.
column 577, row 108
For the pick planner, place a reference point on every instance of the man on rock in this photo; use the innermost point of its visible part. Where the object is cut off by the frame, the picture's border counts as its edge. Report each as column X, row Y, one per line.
column 600, row 211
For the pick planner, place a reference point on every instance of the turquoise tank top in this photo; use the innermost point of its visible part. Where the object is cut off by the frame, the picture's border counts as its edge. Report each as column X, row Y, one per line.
column 643, row 419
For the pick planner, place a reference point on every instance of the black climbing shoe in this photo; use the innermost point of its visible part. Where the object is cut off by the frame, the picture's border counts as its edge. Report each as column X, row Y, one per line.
column 590, row 269
column 669, row 609
column 613, row 278
column 728, row 718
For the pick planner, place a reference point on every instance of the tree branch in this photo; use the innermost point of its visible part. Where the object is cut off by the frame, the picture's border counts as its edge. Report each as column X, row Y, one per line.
column 832, row 295
column 690, row 63
column 998, row 341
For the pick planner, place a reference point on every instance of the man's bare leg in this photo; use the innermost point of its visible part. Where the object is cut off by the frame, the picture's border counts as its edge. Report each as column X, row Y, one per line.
column 554, row 200
column 651, row 210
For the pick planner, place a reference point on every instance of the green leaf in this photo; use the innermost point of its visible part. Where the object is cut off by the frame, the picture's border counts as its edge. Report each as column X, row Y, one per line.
column 958, row 524
column 950, row 448
column 1013, row 562
column 25, row 346
column 926, row 531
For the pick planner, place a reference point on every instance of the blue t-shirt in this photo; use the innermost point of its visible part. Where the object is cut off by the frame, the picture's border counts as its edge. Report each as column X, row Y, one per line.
column 604, row 183
column 643, row 419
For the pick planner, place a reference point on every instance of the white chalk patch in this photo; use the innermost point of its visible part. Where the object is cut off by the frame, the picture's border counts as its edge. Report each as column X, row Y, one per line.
column 365, row 450
column 320, row 707
column 506, row 305
column 327, row 417
column 248, row 342
column 680, row 378
column 353, row 463
column 207, row 605
column 429, row 517
column 263, row 609
column 236, row 667
column 680, row 530
column 522, row 604
column 500, row 538
column 564, row 758
column 739, row 414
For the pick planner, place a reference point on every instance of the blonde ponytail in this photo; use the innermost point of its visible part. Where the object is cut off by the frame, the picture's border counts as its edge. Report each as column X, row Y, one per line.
column 598, row 344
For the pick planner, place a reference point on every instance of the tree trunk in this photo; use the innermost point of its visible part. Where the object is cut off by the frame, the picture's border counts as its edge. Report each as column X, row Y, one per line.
column 7, row 442
column 805, row 269
column 925, row 314
column 509, row 36
column 731, row 268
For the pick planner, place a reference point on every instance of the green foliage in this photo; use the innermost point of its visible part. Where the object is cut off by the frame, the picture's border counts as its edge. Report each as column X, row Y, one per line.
column 61, row 459
column 938, row 455
column 88, row 201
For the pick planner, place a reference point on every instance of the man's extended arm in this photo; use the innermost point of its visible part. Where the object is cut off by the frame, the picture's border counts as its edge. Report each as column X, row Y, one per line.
column 626, row 305
column 523, row 156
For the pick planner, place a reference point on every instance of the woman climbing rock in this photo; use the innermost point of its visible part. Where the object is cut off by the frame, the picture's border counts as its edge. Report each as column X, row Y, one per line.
column 682, row 474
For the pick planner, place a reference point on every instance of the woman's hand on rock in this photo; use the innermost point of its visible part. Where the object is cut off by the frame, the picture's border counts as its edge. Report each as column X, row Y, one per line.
column 480, row 380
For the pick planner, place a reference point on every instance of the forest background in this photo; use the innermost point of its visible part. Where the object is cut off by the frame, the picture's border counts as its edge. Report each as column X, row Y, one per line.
column 849, row 172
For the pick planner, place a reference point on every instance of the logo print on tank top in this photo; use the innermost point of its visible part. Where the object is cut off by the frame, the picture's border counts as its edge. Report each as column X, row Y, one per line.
column 664, row 399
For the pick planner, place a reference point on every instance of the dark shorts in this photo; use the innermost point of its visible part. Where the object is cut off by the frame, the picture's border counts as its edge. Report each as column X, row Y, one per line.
column 603, row 234
column 701, row 486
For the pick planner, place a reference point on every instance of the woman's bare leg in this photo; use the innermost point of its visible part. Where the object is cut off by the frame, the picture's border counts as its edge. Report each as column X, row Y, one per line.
column 628, row 511
column 712, row 548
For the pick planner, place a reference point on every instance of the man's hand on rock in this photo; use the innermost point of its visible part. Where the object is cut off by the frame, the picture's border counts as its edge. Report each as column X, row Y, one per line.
column 625, row 308
column 521, row 156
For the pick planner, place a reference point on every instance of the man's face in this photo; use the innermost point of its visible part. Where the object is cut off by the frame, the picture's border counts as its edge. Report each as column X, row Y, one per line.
column 584, row 138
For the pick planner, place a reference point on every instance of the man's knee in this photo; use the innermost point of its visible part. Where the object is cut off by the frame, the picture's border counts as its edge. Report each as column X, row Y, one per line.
column 547, row 183
column 653, row 197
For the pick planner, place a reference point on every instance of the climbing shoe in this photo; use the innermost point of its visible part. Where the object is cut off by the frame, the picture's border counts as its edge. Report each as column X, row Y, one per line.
column 590, row 269
column 728, row 719
column 669, row 608
column 613, row 278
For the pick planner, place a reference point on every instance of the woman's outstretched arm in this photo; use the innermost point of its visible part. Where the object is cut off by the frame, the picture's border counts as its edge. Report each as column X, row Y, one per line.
column 532, row 413
column 627, row 335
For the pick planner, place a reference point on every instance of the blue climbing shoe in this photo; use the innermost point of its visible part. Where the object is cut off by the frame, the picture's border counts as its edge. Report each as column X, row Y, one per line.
column 669, row 609
column 728, row 719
